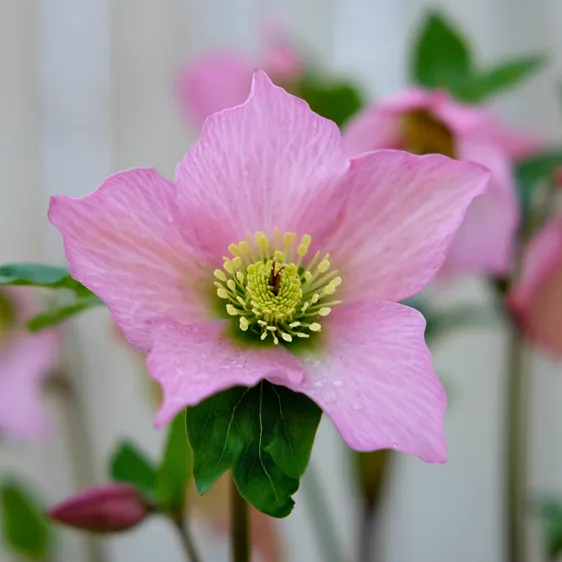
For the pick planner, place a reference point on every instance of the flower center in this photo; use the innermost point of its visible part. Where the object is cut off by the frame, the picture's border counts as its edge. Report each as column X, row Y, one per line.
column 422, row 133
column 273, row 290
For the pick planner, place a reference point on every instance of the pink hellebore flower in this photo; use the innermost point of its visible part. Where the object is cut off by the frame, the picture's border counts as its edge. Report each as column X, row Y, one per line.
column 536, row 298
column 425, row 122
column 320, row 249
column 26, row 359
column 104, row 509
column 220, row 80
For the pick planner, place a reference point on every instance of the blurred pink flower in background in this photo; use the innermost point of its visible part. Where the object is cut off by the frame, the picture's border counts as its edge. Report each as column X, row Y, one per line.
column 26, row 359
column 536, row 298
column 213, row 508
column 426, row 122
column 222, row 79
column 378, row 227
column 108, row 508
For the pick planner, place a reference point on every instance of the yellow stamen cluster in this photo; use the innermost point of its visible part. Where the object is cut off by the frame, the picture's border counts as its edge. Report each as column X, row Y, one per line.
column 273, row 290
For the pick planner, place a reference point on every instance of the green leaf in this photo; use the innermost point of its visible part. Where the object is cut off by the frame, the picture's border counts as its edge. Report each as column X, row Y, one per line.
column 335, row 100
column 482, row 85
column 550, row 512
column 441, row 56
column 24, row 526
column 533, row 171
column 129, row 464
column 58, row 315
column 264, row 433
column 175, row 471
column 38, row 275
column 291, row 446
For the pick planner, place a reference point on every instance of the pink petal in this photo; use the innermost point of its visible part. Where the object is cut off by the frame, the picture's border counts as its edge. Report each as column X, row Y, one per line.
column 213, row 83
column 375, row 380
column 402, row 214
column 194, row 362
column 103, row 509
column 266, row 163
column 485, row 240
column 123, row 243
column 280, row 58
column 26, row 359
column 377, row 126
column 537, row 296
column 24, row 364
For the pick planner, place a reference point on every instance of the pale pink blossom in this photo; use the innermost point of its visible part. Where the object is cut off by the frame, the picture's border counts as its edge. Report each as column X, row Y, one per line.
column 425, row 122
column 26, row 359
column 536, row 298
column 108, row 508
column 321, row 249
column 222, row 79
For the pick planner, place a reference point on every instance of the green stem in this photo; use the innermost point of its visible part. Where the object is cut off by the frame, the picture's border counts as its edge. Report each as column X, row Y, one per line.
column 366, row 533
column 62, row 385
column 239, row 526
column 516, row 452
column 187, row 541
column 322, row 520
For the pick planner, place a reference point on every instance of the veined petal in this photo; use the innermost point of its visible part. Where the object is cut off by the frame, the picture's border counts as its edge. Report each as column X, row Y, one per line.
column 485, row 239
column 122, row 242
column 401, row 216
column 537, row 296
column 375, row 380
column 261, row 165
column 196, row 361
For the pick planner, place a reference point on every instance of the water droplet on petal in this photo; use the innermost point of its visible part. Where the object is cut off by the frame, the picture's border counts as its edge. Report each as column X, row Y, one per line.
column 356, row 406
column 318, row 384
column 329, row 395
column 338, row 383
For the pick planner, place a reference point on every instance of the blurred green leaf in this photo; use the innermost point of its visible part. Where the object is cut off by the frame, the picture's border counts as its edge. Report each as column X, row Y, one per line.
column 24, row 525
column 129, row 464
column 175, row 471
column 444, row 322
column 335, row 100
column 264, row 434
column 550, row 512
column 59, row 315
column 441, row 56
column 480, row 86
column 533, row 171
column 52, row 277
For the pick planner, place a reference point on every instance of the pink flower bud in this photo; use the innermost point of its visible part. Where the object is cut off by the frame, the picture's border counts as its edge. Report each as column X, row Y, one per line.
column 102, row 509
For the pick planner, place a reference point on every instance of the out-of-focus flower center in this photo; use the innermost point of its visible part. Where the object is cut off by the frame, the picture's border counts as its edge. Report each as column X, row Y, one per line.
column 274, row 290
column 422, row 133
column 6, row 317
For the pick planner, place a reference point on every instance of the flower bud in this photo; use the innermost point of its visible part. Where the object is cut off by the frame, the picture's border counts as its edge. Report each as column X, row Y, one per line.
column 103, row 509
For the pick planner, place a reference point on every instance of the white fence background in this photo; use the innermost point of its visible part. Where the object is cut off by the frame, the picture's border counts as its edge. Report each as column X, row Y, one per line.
column 86, row 90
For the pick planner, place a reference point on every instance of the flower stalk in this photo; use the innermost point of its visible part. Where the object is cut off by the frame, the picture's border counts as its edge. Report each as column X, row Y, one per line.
column 516, row 447
column 239, row 526
column 187, row 542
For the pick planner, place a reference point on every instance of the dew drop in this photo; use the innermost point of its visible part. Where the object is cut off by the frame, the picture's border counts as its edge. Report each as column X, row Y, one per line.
column 318, row 384
column 357, row 406
column 338, row 383
column 329, row 395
